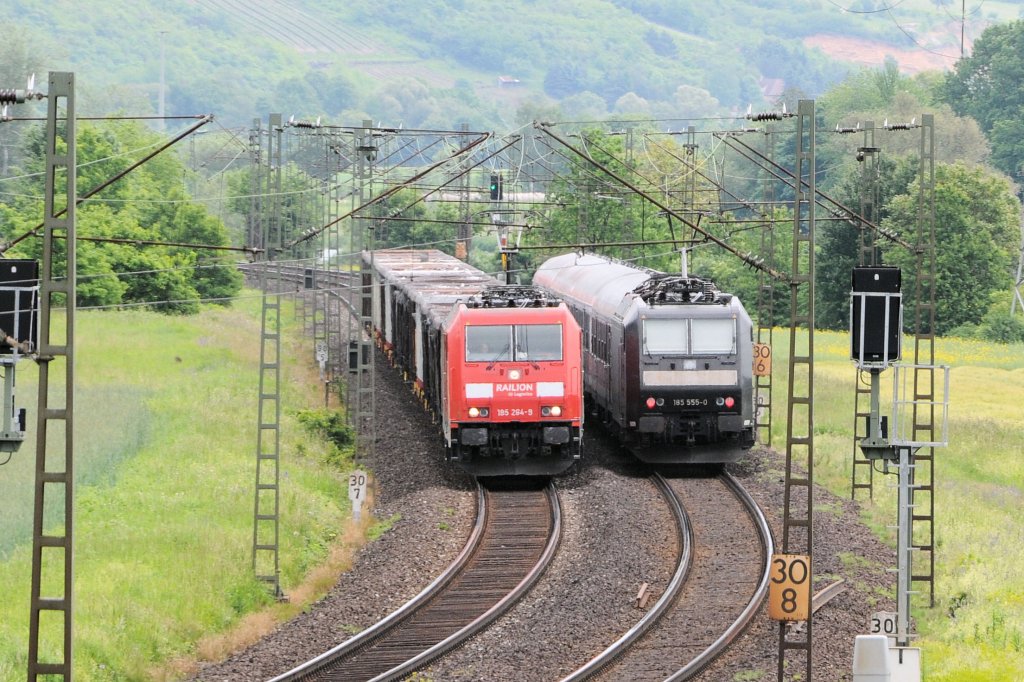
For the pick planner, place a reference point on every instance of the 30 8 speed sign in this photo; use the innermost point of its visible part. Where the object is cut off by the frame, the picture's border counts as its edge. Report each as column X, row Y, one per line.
column 789, row 589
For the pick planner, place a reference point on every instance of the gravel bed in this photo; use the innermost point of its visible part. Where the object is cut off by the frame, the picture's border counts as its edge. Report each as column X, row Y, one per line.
column 616, row 534
column 843, row 549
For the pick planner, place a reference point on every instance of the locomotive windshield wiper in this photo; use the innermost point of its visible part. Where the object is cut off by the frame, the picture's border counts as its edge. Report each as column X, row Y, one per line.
column 523, row 353
column 501, row 353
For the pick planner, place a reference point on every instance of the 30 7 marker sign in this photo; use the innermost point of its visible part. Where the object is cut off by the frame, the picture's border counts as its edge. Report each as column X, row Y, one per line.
column 789, row 589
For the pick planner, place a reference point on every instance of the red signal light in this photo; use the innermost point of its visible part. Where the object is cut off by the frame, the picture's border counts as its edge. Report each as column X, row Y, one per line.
column 650, row 403
column 729, row 402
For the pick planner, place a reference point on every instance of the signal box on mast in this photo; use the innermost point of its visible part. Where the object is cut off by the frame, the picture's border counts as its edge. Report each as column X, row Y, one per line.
column 19, row 329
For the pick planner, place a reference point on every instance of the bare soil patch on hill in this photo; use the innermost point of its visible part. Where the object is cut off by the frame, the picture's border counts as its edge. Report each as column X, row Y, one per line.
column 872, row 53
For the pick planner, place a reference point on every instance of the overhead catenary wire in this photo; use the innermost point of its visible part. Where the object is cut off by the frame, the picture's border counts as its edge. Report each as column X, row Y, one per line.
column 103, row 185
column 747, row 258
column 309, row 234
column 850, row 215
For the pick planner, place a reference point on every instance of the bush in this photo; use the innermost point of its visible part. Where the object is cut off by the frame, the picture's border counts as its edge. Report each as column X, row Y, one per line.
column 1003, row 329
column 330, row 425
column 998, row 324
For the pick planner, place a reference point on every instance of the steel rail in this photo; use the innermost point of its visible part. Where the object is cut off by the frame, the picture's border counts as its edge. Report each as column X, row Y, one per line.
column 620, row 648
column 747, row 615
column 685, row 536
column 498, row 609
column 304, row 671
column 320, row 667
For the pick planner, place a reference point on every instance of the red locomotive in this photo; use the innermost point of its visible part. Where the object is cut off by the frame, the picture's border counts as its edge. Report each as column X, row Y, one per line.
column 498, row 365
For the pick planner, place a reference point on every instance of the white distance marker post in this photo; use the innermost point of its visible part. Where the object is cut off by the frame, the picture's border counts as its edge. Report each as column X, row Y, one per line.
column 321, row 357
column 357, row 484
column 885, row 623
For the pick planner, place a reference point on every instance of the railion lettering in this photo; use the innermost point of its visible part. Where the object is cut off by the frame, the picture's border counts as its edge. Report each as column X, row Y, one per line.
column 514, row 388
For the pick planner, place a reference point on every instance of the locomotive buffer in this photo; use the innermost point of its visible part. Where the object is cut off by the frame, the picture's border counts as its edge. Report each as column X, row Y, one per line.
column 876, row 325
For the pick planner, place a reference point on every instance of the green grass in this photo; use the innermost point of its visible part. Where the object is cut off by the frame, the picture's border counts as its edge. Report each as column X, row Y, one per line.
column 979, row 477
column 165, row 433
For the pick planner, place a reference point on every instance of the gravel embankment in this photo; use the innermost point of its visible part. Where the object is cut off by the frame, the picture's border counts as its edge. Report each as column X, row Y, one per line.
column 616, row 535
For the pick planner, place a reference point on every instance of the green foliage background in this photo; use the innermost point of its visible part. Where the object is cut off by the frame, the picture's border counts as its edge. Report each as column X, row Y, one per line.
column 149, row 204
column 435, row 63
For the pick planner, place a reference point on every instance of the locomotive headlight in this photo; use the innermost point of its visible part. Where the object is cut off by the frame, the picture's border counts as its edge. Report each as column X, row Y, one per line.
column 484, row 412
column 719, row 401
column 474, row 412
column 659, row 402
column 514, row 375
column 545, row 411
column 556, row 411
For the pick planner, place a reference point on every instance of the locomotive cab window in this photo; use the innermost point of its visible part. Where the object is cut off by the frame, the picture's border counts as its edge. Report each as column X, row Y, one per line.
column 539, row 342
column 517, row 343
column 713, row 336
column 689, row 337
column 666, row 337
column 488, row 343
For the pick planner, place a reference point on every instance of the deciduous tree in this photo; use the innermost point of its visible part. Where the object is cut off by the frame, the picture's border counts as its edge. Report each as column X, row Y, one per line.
column 989, row 85
column 976, row 239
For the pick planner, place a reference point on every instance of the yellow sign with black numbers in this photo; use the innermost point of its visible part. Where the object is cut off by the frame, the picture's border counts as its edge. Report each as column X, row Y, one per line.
column 762, row 360
column 789, row 589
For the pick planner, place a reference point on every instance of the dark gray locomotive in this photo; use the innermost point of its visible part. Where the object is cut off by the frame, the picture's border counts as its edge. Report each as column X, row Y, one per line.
column 668, row 359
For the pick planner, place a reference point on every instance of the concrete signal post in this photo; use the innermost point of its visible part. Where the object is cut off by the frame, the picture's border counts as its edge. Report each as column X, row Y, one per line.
column 876, row 323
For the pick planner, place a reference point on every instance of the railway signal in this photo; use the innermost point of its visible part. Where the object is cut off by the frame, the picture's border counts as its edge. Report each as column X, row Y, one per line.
column 876, row 328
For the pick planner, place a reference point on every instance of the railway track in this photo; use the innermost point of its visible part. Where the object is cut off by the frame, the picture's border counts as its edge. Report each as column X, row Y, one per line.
column 720, row 580
column 336, row 283
column 514, row 540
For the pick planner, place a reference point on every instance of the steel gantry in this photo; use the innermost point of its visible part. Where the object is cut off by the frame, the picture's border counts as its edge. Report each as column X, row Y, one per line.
column 266, row 508
column 53, row 548
column 862, row 472
column 798, row 512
